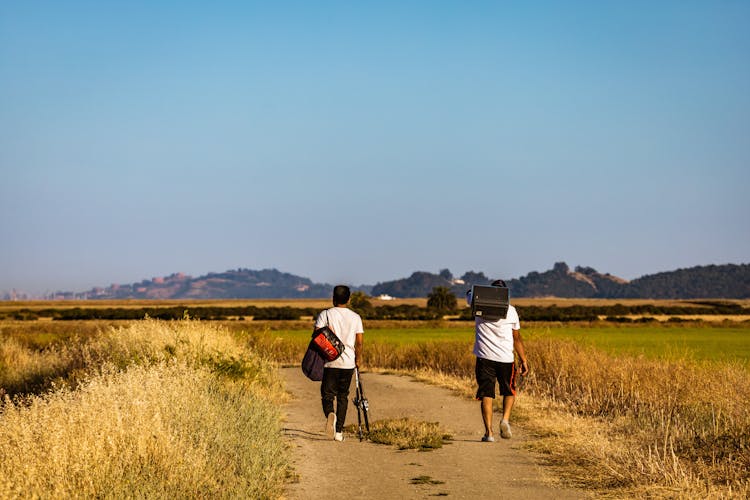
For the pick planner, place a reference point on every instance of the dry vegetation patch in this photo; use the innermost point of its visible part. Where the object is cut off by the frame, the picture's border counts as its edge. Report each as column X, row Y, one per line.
column 621, row 425
column 406, row 433
column 152, row 409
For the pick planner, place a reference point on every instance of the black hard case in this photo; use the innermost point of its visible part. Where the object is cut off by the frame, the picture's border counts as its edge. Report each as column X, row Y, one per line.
column 489, row 302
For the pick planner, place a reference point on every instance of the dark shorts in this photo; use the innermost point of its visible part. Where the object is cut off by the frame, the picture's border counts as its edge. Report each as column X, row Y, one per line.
column 488, row 371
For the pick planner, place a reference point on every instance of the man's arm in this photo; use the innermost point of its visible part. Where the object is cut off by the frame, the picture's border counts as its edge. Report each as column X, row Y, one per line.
column 358, row 349
column 518, row 346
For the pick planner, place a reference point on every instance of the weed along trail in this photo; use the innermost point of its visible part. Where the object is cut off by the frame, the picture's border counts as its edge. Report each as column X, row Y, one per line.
column 463, row 467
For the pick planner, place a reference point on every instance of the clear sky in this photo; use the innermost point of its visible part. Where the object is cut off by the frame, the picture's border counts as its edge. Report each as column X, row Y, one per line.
column 358, row 142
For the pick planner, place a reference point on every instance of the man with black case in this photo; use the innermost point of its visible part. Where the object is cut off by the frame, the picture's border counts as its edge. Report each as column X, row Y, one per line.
column 497, row 339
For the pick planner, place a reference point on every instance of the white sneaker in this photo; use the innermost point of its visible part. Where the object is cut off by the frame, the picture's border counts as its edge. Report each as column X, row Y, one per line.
column 505, row 430
column 331, row 424
column 339, row 436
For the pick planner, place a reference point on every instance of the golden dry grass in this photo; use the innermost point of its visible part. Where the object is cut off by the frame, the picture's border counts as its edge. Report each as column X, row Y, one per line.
column 26, row 366
column 645, row 424
column 622, row 426
column 150, row 410
column 406, row 434
column 162, row 431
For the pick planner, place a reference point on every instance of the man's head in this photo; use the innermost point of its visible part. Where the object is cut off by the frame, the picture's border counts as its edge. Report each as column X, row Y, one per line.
column 341, row 295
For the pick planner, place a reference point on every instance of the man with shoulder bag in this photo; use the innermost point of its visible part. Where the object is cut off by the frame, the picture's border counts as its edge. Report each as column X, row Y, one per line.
column 337, row 374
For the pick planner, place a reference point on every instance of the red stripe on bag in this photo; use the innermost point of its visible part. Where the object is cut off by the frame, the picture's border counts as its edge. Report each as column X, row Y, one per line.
column 329, row 345
column 326, row 348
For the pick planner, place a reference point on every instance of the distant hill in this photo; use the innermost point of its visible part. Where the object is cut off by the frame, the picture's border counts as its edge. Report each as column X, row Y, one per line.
column 725, row 281
column 730, row 281
column 560, row 281
column 421, row 283
column 233, row 284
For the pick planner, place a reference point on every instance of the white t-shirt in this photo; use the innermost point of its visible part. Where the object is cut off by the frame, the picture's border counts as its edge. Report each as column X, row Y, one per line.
column 494, row 339
column 346, row 324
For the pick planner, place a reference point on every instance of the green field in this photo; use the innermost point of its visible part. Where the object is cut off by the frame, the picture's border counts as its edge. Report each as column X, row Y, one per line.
column 703, row 342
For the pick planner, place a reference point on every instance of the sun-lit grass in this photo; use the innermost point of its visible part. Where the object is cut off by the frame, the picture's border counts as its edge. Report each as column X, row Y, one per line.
column 679, row 422
column 27, row 367
column 623, row 410
column 166, row 430
column 152, row 409
column 405, row 434
column 613, row 420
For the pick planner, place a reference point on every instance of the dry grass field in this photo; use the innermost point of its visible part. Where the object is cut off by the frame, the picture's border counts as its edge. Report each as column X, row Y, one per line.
column 149, row 410
column 620, row 425
column 614, row 422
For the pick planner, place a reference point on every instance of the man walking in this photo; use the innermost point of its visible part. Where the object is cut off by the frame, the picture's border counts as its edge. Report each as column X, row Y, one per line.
column 337, row 374
column 494, row 345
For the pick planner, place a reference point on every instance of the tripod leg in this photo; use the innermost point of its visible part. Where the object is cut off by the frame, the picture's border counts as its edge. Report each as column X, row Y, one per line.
column 363, row 401
column 367, row 420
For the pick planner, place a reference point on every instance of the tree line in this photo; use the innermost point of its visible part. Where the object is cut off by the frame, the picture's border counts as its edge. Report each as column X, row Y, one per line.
column 441, row 302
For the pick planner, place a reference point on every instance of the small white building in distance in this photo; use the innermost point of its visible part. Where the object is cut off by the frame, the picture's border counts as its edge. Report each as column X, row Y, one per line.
column 385, row 297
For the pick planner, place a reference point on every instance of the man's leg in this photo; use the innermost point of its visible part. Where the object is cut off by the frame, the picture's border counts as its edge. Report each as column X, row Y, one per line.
column 506, row 378
column 328, row 390
column 344, row 380
column 485, row 376
column 507, row 405
column 486, row 406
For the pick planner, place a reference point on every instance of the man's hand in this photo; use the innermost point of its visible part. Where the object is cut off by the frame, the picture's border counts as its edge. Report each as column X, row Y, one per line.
column 524, row 367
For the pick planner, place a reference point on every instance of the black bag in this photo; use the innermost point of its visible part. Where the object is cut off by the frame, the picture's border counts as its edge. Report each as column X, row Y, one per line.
column 325, row 346
column 312, row 363
column 329, row 345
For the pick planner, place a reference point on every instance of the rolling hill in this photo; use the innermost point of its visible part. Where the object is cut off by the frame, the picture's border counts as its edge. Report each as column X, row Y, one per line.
column 731, row 281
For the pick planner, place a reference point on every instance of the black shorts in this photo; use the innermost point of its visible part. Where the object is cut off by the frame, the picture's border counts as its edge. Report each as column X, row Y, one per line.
column 487, row 371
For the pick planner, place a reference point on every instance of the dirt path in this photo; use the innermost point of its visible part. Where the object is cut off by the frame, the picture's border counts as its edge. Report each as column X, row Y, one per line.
column 465, row 468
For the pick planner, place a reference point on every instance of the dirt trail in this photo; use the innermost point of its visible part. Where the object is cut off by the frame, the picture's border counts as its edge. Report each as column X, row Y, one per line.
column 465, row 468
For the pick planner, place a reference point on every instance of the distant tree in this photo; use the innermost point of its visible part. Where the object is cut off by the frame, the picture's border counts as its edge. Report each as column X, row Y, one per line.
column 442, row 299
column 446, row 274
column 360, row 302
column 474, row 278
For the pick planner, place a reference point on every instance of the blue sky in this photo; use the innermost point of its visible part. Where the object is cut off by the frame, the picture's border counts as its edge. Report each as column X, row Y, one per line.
column 357, row 142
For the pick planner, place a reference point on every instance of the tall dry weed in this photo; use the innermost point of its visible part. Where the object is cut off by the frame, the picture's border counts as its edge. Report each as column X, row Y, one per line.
column 161, row 431
column 25, row 370
column 675, row 423
column 151, row 409
column 613, row 423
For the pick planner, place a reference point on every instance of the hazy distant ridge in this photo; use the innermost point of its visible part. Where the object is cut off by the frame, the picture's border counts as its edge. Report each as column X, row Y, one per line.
column 713, row 281
column 232, row 284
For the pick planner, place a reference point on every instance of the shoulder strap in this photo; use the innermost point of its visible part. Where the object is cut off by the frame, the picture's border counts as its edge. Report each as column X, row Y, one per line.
column 328, row 322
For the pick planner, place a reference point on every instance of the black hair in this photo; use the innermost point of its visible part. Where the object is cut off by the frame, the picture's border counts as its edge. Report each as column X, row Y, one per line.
column 499, row 283
column 341, row 295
